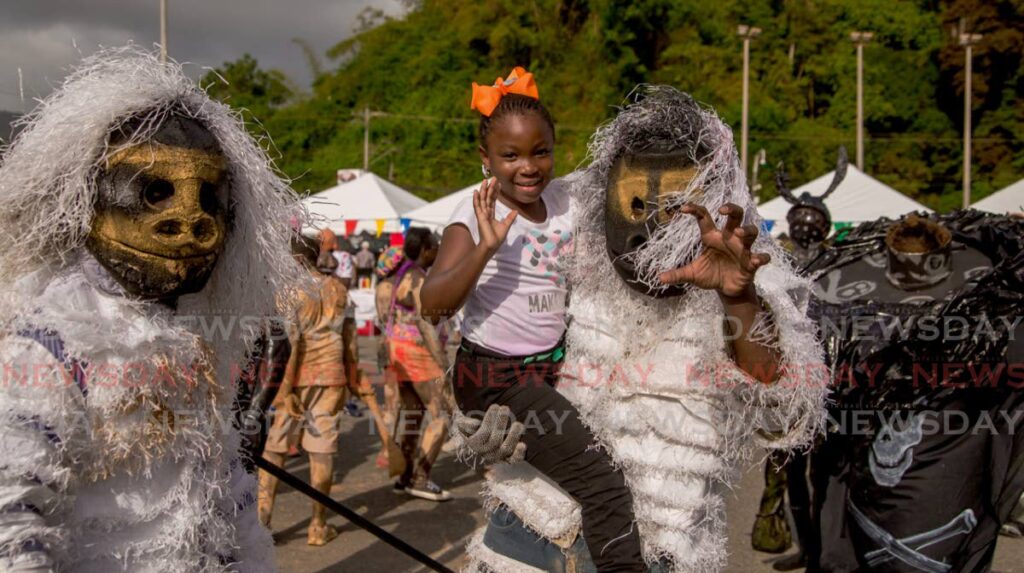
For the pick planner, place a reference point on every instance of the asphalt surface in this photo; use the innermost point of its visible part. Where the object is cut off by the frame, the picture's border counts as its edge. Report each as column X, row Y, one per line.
column 442, row 530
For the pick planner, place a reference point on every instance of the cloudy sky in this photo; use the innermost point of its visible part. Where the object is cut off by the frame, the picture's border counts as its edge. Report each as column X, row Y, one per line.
column 45, row 37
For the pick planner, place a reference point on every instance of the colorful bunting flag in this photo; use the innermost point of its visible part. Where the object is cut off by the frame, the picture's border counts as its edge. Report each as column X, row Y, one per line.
column 350, row 227
column 380, row 227
column 405, row 223
column 767, row 225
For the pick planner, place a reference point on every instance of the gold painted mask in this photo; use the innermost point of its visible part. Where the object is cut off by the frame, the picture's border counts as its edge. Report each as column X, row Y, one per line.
column 160, row 222
column 642, row 194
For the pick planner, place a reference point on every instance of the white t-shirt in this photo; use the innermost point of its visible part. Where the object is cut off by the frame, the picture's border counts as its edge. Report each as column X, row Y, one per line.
column 518, row 305
column 346, row 270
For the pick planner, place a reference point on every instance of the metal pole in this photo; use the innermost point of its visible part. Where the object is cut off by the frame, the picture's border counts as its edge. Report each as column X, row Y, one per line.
column 968, row 41
column 746, row 103
column 366, row 138
column 860, row 106
column 747, row 33
column 21, row 89
column 163, row 31
column 860, row 38
column 967, row 130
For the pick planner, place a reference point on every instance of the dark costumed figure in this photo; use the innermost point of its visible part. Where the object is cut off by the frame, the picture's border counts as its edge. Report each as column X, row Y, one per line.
column 922, row 462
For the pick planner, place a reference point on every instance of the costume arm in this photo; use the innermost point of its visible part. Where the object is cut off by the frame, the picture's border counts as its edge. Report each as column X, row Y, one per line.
column 791, row 411
column 35, row 395
column 754, row 347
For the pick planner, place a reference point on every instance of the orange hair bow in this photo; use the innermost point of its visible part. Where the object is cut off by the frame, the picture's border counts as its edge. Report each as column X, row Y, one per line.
column 519, row 81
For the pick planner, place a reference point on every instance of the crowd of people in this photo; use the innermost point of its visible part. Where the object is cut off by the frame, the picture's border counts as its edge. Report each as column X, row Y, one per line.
column 627, row 337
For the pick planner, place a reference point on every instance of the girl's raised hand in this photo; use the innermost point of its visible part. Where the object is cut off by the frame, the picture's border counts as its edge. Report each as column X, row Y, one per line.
column 492, row 231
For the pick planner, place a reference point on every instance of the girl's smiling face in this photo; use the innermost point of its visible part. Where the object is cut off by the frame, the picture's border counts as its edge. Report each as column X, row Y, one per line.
column 519, row 153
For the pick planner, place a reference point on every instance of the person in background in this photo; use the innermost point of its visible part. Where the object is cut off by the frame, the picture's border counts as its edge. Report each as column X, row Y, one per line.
column 344, row 272
column 358, row 383
column 387, row 265
column 306, row 405
column 365, row 261
column 419, row 364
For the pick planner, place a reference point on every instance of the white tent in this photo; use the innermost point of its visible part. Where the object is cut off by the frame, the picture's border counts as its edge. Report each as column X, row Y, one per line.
column 363, row 197
column 858, row 198
column 1008, row 200
column 436, row 214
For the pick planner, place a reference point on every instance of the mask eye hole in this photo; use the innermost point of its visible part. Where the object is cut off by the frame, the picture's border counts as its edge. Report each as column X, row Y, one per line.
column 635, row 242
column 637, row 206
column 208, row 198
column 158, row 193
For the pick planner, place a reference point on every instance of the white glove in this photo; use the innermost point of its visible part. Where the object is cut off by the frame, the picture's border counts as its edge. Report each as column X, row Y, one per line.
column 496, row 438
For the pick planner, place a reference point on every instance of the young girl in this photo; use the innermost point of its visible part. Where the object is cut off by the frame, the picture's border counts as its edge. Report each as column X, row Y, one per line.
column 499, row 260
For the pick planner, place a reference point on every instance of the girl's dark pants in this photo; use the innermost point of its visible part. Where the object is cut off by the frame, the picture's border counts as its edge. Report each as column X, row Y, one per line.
column 557, row 444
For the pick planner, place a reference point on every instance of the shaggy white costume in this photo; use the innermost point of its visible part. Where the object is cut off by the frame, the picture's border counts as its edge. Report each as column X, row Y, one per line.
column 136, row 468
column 653, row 378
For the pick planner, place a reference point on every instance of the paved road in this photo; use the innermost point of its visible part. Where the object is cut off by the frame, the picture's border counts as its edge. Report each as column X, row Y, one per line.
column 442, row 530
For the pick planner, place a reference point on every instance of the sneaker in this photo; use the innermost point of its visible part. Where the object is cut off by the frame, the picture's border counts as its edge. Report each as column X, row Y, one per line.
column 353, row 409
column 792, row 562
column 1012, row 529
column 430, row 491
column 399, row 488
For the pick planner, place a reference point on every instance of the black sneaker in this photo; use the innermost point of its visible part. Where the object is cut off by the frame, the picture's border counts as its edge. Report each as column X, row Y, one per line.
column 429, row 491
column 399, row 488
column 352, row 409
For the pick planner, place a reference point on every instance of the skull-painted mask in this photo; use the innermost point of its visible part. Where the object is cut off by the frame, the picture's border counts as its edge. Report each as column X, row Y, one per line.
column 161, row 217
column 643, row 193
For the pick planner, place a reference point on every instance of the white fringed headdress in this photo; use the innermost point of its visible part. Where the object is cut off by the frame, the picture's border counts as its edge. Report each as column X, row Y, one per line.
column 48, row 190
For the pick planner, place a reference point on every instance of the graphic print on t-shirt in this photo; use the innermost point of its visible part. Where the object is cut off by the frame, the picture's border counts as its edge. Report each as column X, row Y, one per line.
column 545, row 249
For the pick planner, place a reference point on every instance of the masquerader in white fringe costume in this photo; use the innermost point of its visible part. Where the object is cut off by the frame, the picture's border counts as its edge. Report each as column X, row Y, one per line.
column 650, row 366
column 139, row 224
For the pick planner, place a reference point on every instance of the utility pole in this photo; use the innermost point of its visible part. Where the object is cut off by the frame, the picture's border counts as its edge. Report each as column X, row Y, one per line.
column 860, row 38
column 747, row 33
column 21, row 89
column 163, row 31
column 366, row 138
column 967, row 41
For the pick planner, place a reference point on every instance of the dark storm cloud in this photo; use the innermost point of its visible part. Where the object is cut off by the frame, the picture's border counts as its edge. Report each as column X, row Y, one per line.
column 45, row 37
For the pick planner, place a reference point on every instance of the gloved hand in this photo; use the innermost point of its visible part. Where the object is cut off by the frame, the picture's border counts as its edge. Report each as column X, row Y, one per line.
column 496, row 438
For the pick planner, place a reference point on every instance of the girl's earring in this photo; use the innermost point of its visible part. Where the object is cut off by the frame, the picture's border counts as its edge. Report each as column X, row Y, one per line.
column 486, row 171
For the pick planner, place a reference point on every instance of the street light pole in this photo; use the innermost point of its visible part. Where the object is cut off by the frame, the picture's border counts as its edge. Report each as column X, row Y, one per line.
column 747, row 33
column 860, row 38
column 163, row 31
column 967, row 41
column 366, row 138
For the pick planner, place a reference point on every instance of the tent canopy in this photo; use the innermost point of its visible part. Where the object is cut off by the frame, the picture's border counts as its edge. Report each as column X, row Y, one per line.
column 363, row 197
column 436, row 214
column 1008, row 200
column 858, row 198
